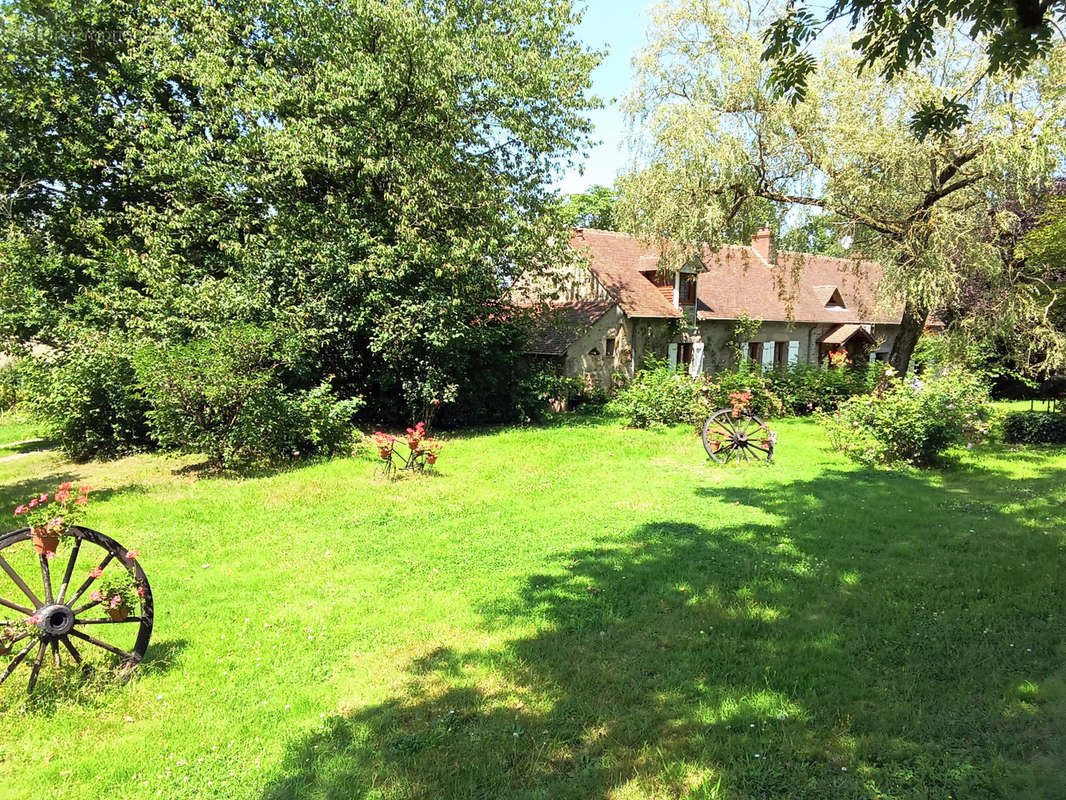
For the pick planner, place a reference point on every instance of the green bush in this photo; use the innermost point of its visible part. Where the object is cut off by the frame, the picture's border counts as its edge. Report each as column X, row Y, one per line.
column 912, row 421
column 225, row 396
column 88, row 399
column 1035, row 427
column 810, row 388
column 534, row 394
column 9, row 384
column 764, row 401
column 659, row 394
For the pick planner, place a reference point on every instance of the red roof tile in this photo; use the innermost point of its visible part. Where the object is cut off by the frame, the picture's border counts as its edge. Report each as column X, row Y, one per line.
column 739, row 282
column 562, row 325
column 616, row 260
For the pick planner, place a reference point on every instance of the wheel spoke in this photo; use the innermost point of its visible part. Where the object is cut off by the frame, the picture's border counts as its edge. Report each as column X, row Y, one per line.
column 73, row 650
column 100, row 643
column 85, row 607
column 36, row 668
column 89, row 581
column 15, row 607
column 46, row 579
column 69, row 570
column 55, row 654
column 20, row 583
column 17, row 660
column 106, row 621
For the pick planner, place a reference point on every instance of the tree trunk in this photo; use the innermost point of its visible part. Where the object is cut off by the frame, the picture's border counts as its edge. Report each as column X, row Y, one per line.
column 911, row 327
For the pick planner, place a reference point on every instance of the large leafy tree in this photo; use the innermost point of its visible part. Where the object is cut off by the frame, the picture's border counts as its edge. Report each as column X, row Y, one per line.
column 368, row 174
column 593, row 208
column 897, row 35
column 716, row 141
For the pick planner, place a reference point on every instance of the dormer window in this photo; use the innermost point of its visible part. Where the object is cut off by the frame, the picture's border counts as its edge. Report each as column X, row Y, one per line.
column 836, row 302
column 686, row 292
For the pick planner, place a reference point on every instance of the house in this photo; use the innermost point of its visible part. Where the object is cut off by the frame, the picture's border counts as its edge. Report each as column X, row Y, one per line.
column 616, row 307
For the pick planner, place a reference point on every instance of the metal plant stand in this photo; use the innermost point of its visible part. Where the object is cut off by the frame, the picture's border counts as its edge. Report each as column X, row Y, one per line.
column 737, row 435
column 66, row 614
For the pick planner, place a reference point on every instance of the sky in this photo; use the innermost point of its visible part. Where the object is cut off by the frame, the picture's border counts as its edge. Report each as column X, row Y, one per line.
column 617, row 26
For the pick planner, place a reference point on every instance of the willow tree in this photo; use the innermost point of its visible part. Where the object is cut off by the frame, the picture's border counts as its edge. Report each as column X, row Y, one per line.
column 715, row 142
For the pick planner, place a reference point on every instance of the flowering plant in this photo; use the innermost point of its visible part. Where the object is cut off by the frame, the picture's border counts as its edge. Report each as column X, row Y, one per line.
column 15, row 630
column 55, row 513
column 416, row 436
column 838, row 358
column 385, row 444
column 116, row 590
column 740, row 402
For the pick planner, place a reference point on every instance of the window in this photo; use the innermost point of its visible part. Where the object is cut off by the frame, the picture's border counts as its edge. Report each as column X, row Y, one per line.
column 880, row 356
column 780, row 355
column 684, row 355
column 608, row 347
column 687, row 289
column 755, row 352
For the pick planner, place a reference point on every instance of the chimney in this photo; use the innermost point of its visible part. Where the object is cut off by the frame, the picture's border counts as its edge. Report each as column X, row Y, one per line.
column 763, row 244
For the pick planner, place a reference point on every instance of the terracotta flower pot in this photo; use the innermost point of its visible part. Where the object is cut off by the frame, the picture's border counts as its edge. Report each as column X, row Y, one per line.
column 118, row 613
column 44, row 542
column 431, row 459
column 5, row 646
column 383, row 453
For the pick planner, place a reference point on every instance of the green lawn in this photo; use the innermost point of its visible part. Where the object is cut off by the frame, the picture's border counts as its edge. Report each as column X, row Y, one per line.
column 578, row 611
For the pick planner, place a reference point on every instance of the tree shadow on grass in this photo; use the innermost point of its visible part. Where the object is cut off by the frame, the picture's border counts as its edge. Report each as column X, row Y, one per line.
column 851, row 636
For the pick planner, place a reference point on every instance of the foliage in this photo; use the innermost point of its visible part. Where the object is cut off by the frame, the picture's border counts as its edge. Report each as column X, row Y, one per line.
column 115, row 589
column 1035, row 427
column 10, row 383
column 807, row 388
column 593, row 208
column 659, row 394
column 824, row 234
column 716, row 142
column 224, row 396
column 328, row 420
column 897, row 37
column 913, row 421
column 372, row 174
column 88, row 398
column 540, row 388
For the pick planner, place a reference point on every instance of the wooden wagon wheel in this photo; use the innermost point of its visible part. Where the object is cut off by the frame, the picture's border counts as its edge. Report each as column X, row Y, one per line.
column 741, row 438
column 66, row 614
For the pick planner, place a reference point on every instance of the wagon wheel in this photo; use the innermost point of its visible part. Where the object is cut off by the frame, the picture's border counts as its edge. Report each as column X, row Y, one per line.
column 67, row 613
column 744, row 438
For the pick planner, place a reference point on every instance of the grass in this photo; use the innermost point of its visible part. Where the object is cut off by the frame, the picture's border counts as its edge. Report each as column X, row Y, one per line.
column 575, row 611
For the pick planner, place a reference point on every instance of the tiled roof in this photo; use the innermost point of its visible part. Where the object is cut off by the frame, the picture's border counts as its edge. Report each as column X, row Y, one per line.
column 739, row 282
column 616, row 260
column 561, row 326
column 842, row 333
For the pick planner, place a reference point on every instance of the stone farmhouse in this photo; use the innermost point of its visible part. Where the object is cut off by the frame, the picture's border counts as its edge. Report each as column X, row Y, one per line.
column 616, row 307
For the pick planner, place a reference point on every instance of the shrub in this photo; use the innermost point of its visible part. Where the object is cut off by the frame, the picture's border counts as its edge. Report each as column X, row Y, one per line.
column 1035, row 427
column 535, row 393
column 912, row 421
column 663, row 395
column 764, row 401
column 809, row 388
column 87, row 397
column 9, row 384
column 225, row 396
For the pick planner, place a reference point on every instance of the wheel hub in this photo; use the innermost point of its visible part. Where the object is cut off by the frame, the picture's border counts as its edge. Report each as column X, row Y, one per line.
column 56, row 620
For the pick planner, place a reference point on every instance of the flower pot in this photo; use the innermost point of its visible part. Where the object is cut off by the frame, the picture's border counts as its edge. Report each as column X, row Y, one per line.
column 431, row 459
column 44, row 542
column 5, row 647
column 118, row 613
column 384, row 453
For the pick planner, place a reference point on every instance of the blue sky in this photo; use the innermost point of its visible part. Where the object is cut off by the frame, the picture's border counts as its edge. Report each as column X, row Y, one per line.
column 618, row 27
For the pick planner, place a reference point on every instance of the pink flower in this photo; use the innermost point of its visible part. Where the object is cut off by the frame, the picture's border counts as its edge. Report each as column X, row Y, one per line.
column 33, row 503
column 132, row 554
column 20, row 510
column 95, row 572
column 85, row 489
column 62, row 496
column 66, row 487
column 96, row 596
column 44, row 498
column 140, row 591
column 116, row 600
column 33, row 619
column 50, row 555
column 81, row 501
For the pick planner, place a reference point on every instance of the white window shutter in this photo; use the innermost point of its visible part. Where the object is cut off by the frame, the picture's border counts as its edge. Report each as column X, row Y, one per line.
column 793, row 353
column 696, row 367
column 768, row 355
column 673, row 356
column 677, row 290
